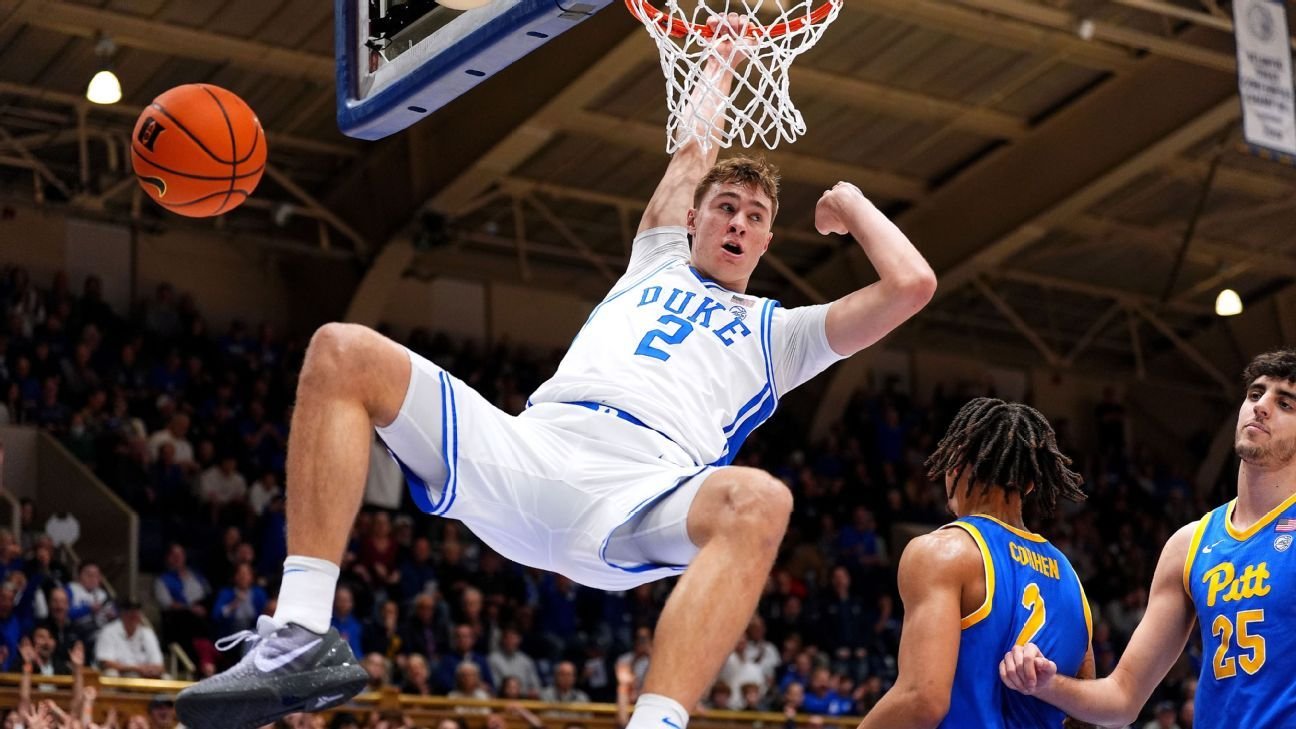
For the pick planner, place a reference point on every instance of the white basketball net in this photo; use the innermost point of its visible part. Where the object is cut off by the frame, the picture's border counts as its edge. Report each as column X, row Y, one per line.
column 759, row 107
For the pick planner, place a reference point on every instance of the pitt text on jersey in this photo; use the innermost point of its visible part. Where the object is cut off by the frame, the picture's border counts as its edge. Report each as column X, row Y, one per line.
column 727, row 327
column 1251, row 583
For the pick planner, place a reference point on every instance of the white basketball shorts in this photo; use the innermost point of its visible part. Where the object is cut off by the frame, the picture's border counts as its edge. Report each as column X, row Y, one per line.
column 554, row 488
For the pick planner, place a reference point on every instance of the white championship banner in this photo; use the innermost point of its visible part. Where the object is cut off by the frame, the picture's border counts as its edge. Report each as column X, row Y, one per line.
column 1265, row 75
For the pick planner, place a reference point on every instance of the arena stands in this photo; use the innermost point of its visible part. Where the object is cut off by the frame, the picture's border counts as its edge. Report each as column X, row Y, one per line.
column 190, row 427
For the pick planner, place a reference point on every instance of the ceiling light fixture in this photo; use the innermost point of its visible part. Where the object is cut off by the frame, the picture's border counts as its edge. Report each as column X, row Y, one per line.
column 104, row 87
column 1228, row 303
column 1085, row 29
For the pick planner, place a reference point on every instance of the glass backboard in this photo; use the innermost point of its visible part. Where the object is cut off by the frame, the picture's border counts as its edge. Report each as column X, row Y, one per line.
column 400, row 60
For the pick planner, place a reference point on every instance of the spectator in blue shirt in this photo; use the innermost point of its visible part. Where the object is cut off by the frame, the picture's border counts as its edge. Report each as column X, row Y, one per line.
column 426, row 627
column 841, row 621
column 239, row 604
column 182, row 593
column 273, row 547
column 346, row 623
column 90, row 607
column 557, row 614
column 462, row 650
column 821, row 698
column 797, row 671
column 859, row 543
column 418, row 575
column 29, row 386
column 11, row 631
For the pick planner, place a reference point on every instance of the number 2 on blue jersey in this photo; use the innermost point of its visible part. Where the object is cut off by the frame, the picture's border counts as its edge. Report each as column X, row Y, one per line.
column 646, row 347
column 1033, row 601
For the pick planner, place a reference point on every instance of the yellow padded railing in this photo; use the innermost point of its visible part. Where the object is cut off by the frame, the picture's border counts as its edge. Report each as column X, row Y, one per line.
column 132, row 696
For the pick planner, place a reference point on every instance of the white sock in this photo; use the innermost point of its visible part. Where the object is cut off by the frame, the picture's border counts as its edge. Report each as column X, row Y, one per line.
column 306, row 595
column 654, row 711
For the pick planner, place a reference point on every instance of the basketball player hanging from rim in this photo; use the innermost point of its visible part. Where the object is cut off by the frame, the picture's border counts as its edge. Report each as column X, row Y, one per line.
column 617, row 473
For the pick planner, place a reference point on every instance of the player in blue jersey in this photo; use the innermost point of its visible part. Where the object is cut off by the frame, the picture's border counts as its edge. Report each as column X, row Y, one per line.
column 1231, row 572
column 984, row 583
column 618, row 473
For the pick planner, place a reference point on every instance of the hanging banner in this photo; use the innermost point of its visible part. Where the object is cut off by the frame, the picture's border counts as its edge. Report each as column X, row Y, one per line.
column 1265, row 75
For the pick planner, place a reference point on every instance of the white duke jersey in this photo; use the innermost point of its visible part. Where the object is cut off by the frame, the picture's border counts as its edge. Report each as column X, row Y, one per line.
column 682, row 355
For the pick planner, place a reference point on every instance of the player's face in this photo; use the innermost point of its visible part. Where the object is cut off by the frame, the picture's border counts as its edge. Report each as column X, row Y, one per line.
column 1266, row 427
column 731, row 231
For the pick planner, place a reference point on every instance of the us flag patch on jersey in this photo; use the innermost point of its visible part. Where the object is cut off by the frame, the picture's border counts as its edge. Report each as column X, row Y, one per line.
column 1285, row 525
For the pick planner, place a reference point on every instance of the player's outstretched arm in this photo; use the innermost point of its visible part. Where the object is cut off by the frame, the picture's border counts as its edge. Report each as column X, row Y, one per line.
column 907, row 283
column 933, row 570
column 1155, row 646
column 1088, row 671
column 673, row 197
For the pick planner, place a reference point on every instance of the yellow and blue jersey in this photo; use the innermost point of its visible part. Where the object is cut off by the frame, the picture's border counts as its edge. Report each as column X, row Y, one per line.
column 1243, row 586
column 1032, row 596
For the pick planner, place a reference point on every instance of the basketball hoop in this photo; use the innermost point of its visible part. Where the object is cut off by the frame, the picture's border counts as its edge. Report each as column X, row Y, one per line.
column 759, row 107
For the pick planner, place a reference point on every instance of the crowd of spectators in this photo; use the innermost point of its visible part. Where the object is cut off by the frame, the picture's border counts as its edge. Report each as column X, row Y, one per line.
column 190, row 428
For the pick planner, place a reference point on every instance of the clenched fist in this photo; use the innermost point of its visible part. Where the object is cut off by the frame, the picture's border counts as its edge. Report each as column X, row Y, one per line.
column 833, row 208
column 1025, row 669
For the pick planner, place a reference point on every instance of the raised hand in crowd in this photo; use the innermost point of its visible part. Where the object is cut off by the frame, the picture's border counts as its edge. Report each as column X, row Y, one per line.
column 76, row 656
column 28, row 653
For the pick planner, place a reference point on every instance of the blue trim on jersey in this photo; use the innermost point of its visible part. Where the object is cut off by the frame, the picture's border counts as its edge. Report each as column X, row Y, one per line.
column 698, row 275
column 599, row 407
column 646, row 566
column 765, row 401
column 452, row 457
column 609, row 410
column 767, row 337
column 418, row 487
column 709, row 283
column 735, row 441
column 748, row 406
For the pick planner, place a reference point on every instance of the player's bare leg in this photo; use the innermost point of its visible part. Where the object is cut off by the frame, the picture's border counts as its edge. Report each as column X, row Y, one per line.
column 352, row 379
column 737, row 519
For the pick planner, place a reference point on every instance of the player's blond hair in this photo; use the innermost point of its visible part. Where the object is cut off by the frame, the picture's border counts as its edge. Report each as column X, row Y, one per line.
column 752, row 172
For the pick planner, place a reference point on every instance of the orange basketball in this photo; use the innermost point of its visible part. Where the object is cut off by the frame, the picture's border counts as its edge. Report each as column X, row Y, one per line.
column 198, row 150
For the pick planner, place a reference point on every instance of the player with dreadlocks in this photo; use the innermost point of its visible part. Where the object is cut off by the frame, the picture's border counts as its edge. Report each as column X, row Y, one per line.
column 984, row 583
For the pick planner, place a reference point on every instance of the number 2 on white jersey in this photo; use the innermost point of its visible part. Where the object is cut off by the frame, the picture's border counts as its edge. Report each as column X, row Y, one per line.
column 1032, row 600
column 646, row 347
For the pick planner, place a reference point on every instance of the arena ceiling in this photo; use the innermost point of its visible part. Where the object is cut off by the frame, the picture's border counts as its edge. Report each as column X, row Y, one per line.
column 1049, row 174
